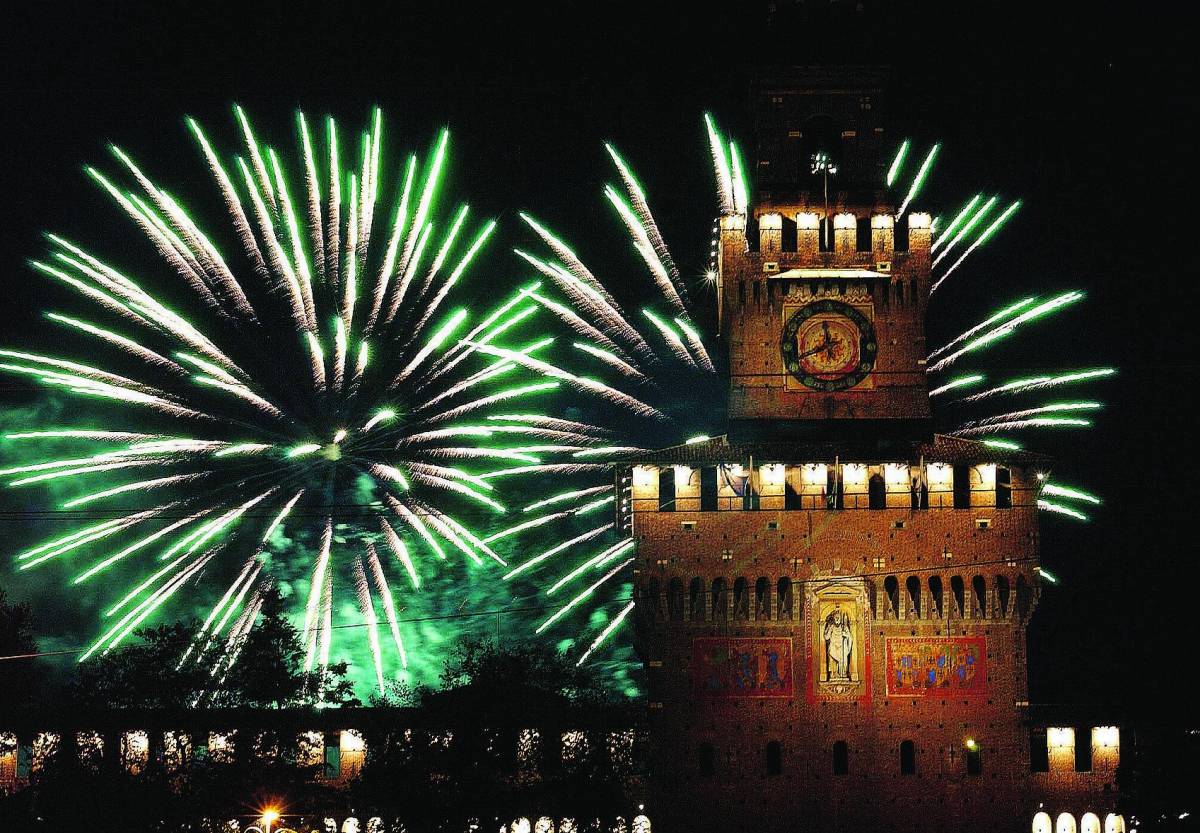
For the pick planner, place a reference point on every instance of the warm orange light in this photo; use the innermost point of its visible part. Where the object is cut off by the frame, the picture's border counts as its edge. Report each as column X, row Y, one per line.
column 270, row 815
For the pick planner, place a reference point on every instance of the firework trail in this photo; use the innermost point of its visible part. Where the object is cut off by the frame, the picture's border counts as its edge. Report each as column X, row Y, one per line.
column 318, row 377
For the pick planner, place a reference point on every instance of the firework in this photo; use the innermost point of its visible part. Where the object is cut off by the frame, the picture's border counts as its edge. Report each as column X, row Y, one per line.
column 318, row 383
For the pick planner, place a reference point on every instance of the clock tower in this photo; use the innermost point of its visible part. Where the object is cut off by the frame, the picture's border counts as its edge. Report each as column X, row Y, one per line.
column 822, row 289
column 831, row 599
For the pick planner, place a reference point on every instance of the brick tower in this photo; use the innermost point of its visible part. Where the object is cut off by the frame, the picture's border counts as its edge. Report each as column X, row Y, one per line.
column 833, row 600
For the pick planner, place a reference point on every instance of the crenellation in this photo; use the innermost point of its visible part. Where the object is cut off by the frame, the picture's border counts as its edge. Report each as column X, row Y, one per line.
column 770, row 234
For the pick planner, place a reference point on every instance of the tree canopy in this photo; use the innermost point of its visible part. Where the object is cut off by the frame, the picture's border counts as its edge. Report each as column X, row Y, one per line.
column 166, row 667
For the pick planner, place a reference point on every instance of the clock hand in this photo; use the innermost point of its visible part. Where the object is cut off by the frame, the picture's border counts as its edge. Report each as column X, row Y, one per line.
column 808, row 353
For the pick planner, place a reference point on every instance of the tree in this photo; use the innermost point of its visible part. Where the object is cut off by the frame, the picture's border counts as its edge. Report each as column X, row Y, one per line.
column 265, row 669
column 269, row 669
column 462, row 758
column 526, row 681
column 16, row 645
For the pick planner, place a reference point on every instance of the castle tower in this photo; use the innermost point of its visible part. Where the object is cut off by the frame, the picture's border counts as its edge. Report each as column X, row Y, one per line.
column 832, row 599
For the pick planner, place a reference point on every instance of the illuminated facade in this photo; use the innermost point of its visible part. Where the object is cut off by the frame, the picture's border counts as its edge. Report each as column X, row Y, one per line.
column 833, row 600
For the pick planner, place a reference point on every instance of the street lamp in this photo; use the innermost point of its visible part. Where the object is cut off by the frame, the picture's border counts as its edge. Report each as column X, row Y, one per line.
column 822, row 164
column 269, row 817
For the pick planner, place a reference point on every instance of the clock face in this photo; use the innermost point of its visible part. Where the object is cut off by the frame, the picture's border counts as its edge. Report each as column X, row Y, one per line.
column 829, row 346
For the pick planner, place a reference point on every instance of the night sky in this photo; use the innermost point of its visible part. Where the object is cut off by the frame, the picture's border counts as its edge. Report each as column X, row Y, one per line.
column 1081, row 112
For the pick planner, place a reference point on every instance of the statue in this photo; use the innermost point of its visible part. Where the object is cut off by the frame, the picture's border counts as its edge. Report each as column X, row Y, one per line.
column 839, row 646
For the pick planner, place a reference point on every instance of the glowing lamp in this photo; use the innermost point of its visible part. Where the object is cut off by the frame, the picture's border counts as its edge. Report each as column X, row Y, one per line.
column 773, row 473
column 814, row 474
column 683, row 476
column 896, row 474
column 971, row 744
column 644, row 476
column 1059, row 737
column 352, row 741
column 1106, row 736
column 854, row 474
column 919, row 220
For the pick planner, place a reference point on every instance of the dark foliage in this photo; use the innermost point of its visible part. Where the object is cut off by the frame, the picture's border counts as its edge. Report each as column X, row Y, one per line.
column 16, row 638
column 268, row 672
column 464, row 763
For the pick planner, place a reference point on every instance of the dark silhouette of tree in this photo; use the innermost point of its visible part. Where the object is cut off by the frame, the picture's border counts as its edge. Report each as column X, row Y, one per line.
column 147, row 676
column 268, row 671
column 487, row 744
column 502, row 682
column 16, row 639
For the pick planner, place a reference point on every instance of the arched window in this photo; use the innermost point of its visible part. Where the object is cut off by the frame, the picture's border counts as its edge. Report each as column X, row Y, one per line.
column 958, row 591
column 913, row 587
column 741, row 599
column 654, row 597
column 1065, row 824
column 696, row 600
column 708, row 760
column 979, row 597
column 783, row 593
column 1089, row 823
column 1041, row 823
column 1002, row 594
column 666, row 489
column 891, row 589
column 908, row 757
column 935, row 593
column 876, row 492
column 1114, row 823
column 675, row 600
column 841, row 758
column 774, row 758
column 762, row 598
column 720, row 600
